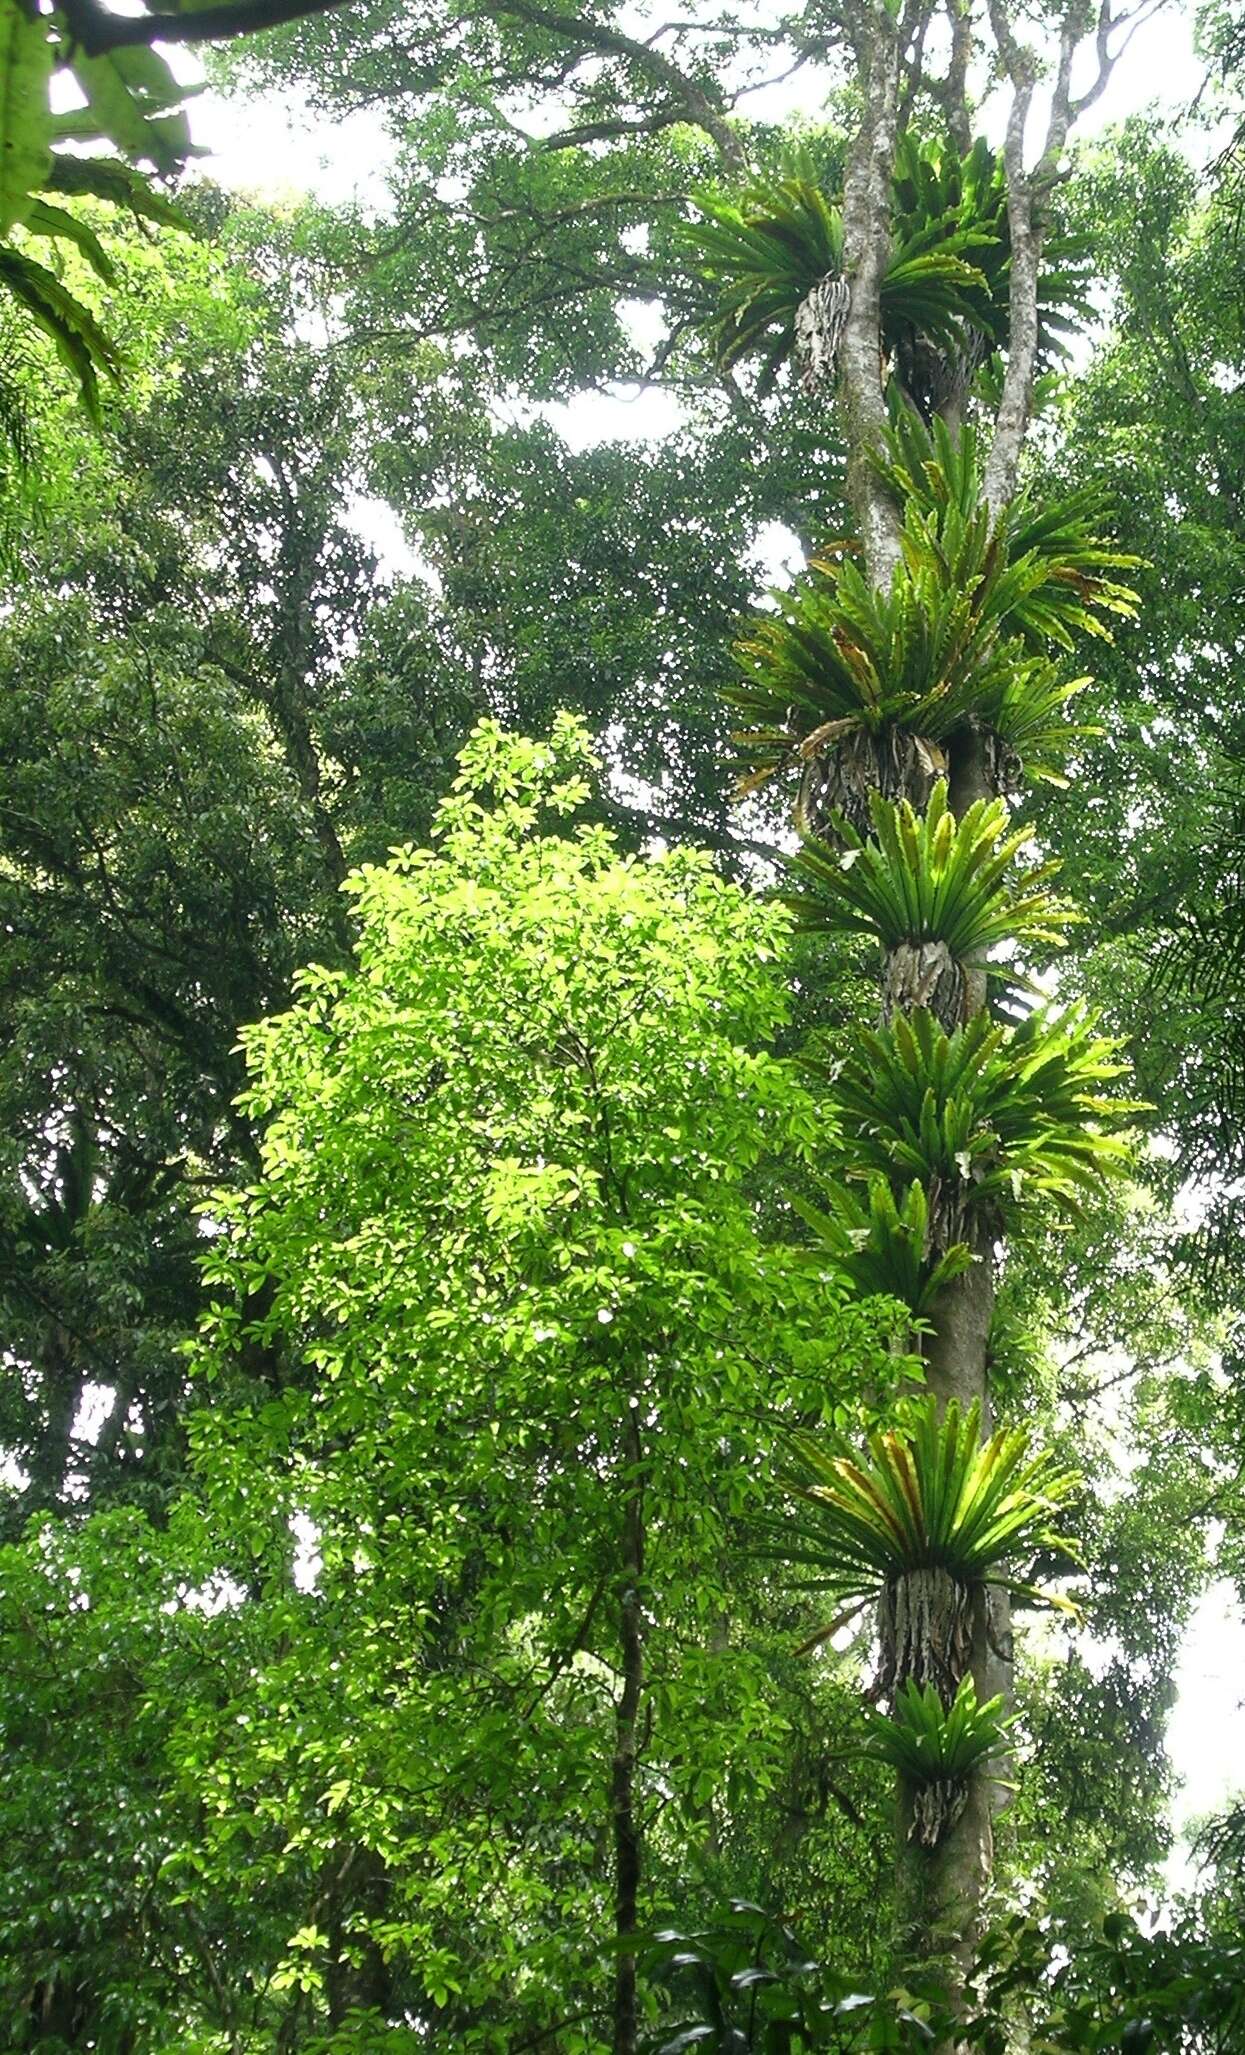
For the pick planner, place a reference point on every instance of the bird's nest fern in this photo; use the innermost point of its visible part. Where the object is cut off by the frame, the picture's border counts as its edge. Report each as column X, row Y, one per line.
column 934, row 892
column 984, row 1115
column 936, row 1749
column 766, row 253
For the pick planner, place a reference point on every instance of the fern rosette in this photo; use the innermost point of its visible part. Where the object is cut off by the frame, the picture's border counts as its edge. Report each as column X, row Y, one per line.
column 927, row 1515
column 934, row 892
column 881, row 1245
column 985, row 1114
column 936, row 1749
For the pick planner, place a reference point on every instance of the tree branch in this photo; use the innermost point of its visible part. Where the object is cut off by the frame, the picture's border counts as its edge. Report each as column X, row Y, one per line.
column 866, row 229
column 99, row 31
column 697, row 107
column 1027, row 192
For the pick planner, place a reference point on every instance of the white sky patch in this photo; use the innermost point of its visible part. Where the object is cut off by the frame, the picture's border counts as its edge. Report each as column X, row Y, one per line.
column 272, row 145
column 777, row 553
column 1207, row 1722
column 307, row 1559
column 375, row 520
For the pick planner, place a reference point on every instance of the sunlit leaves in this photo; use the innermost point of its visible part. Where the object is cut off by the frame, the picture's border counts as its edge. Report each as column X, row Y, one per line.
column 504, row 1221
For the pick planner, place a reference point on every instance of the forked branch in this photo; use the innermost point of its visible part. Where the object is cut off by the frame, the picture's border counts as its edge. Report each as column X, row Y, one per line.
column 1029, row 190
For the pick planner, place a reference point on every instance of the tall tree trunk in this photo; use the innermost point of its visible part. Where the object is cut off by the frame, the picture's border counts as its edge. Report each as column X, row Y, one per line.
column 866, row 243
column 626, row 1741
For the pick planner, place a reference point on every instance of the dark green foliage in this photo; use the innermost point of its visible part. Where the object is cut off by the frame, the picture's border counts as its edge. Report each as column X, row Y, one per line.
column 944, row 293
column 929, row 878
column 881, row 1243
column 744, row 1985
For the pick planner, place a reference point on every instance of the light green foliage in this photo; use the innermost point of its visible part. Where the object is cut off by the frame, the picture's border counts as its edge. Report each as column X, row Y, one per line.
column 928, row 1495
column 504, row 1236
column 133, row 101
column 986, row 1114
column 929, row 877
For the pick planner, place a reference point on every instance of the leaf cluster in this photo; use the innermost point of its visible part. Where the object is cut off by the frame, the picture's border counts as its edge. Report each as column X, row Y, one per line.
column 132, row 101
column 929, row 1743
column 744, row 1984
column 982, row 1113
column 938, row 481
column 928, row 878
column 929, row 1495
column 962, row 637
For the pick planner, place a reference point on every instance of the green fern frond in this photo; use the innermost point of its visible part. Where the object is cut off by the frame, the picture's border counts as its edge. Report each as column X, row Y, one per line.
column 1062, row 570
column 984, row 1114
column 930, row 1495
column 107, row 178
column 929, row 878
column 881, row 1245
column 26, row 60
column 62, row 226
column 929, row 1743
column 76, row 335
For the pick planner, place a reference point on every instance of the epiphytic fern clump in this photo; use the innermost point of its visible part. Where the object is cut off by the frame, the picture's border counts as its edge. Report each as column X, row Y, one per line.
column 935, row 893
column 985, row 1115
column 927, row 1504
column 936, row 1749
column 881, row 1244
column 863, row 691
column 773, row 258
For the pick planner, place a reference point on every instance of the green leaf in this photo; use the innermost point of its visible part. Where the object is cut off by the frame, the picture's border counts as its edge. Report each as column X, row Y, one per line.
column 107, row 178
column 25, row 123
column 130, row 93
column 79, row 340
column 59, row 223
